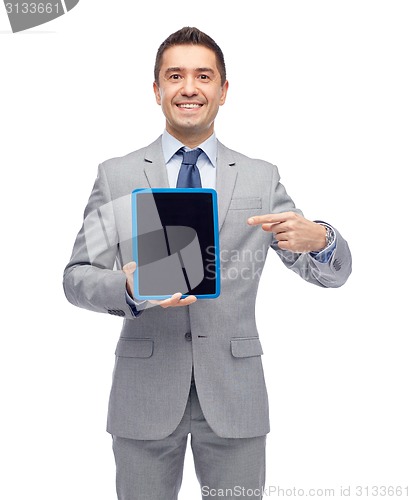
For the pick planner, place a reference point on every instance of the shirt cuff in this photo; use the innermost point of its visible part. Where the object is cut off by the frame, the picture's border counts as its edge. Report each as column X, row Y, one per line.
column 132, row 305
column 325, row 255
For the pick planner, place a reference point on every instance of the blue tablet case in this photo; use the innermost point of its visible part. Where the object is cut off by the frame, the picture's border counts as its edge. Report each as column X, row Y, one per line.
column 175, row 243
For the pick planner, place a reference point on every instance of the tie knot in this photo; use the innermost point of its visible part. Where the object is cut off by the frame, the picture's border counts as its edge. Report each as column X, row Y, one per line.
column 190, row 157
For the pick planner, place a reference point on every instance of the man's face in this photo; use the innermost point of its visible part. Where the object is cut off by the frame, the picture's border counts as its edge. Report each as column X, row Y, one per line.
column 190, row 92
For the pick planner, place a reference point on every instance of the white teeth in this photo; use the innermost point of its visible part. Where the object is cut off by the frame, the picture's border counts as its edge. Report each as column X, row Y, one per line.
column 189, row 106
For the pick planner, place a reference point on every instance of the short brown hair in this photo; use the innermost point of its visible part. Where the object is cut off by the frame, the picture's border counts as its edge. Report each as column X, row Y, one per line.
column 191, row 36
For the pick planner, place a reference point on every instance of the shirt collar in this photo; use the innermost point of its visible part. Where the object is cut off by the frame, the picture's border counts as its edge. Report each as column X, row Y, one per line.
column 171, row 145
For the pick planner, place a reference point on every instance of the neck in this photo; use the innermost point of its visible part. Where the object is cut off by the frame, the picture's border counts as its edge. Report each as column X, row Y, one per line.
column 192, row 140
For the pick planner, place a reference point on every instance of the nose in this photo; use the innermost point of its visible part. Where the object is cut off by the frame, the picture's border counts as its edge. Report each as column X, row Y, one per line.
column 189, row 87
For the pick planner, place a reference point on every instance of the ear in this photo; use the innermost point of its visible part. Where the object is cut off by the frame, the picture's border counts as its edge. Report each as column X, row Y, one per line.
column 156, row 91
column 225, row 88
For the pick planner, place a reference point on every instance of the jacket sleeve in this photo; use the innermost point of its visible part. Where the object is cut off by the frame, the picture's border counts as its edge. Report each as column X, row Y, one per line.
column 331, row 274
column 90, row 279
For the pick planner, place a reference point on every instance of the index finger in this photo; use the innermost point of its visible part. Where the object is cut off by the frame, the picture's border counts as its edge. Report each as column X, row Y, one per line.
column 169, row 301
column 175, row 301
column 269, row 218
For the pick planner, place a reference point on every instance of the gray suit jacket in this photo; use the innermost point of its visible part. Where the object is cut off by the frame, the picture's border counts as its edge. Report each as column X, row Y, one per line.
column 156, row 350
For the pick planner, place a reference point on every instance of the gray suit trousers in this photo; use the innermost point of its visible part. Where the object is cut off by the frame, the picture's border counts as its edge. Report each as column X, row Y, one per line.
column 225, row 467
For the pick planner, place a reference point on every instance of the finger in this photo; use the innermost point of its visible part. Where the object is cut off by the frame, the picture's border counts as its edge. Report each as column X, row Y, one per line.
column 279, row 227
column 190, row 299
column 165, row 302
column 284, row 245
column 177, row 301
column 281, row 237
column 274, row 228
column 271, row 218
column 171, row 301
column 264, row 219
column 129, row 268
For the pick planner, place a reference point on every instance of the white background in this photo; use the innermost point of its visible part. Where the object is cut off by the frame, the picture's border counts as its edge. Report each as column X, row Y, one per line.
column 320, row 88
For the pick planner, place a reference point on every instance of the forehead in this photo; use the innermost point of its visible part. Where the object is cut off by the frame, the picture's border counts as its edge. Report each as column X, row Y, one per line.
column 188, row 57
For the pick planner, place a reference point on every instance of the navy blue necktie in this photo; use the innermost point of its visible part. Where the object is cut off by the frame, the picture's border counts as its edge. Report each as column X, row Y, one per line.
column 189, row 176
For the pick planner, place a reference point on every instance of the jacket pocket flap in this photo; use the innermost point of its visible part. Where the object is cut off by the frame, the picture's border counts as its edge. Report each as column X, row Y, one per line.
column 134, row 348
column 245, row 347
column 245, row 203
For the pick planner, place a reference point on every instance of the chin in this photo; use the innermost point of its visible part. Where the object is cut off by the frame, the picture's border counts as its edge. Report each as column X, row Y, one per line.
column 190, row 126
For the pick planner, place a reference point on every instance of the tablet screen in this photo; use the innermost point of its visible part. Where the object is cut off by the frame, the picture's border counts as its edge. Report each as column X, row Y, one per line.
column 175, row 243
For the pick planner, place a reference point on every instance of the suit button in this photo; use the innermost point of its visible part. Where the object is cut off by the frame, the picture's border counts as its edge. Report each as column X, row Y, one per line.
column 116, row 312
column 188, row 336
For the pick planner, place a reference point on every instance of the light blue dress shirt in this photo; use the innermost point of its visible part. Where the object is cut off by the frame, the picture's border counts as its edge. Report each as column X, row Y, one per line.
column 206, row 162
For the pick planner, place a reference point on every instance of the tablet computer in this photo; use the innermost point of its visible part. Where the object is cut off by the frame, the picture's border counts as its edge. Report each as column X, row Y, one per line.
column 175, row 243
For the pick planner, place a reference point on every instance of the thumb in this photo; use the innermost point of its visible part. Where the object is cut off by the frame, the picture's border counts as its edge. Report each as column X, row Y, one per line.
column 129, row 268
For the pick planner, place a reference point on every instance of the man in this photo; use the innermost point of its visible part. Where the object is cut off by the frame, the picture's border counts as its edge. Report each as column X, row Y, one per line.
column 185, row 365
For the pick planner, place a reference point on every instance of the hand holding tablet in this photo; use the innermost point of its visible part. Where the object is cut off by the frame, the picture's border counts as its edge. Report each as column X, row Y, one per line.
column 175, row 300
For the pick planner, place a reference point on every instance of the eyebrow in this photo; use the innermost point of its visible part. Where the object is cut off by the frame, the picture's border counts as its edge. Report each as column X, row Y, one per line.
column 171, row 70
column 198, row 70
column 205, row 70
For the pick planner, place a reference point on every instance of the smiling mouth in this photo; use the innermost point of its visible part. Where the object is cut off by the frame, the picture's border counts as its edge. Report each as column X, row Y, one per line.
column 189, row 106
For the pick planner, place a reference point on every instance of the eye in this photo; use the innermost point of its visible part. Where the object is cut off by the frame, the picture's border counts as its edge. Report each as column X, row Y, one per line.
column 204, row 77
column 175, row 76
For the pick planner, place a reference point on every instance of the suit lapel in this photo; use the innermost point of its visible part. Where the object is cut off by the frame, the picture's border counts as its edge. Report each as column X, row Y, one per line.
column 225, row 180
column 155, row 168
